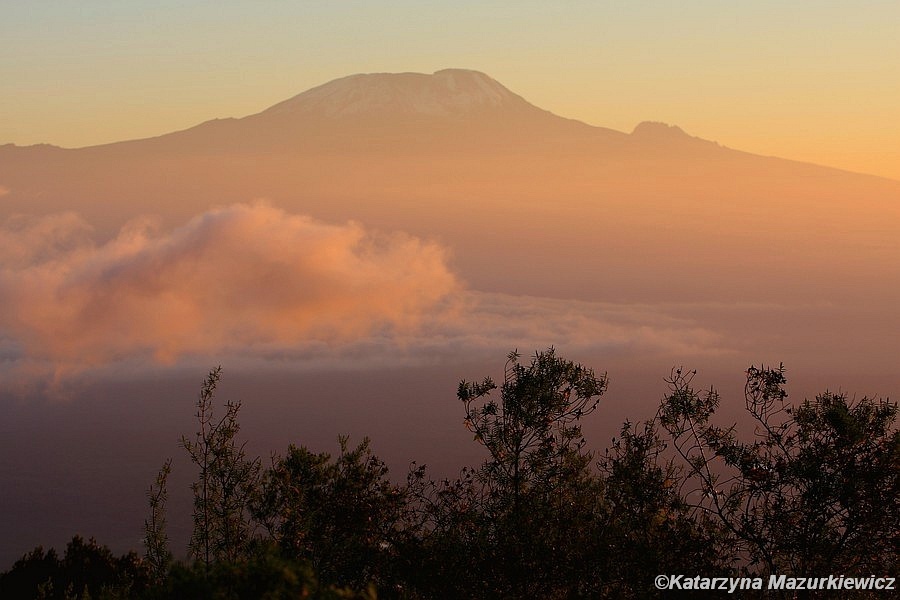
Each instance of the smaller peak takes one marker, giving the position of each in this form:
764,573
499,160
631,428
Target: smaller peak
658,130
29,147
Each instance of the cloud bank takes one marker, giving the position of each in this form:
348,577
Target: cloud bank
239,277
254,285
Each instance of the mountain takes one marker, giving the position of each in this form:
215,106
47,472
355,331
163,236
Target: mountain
453,108
527,201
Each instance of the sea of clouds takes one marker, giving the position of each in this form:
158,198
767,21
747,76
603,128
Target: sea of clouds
255,285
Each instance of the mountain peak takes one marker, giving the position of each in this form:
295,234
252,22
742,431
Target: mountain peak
445,93
659,131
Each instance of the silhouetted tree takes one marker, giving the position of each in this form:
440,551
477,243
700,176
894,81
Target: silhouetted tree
226,482
521,522
86,570
156,542
342,515
648,527
816,492
263,573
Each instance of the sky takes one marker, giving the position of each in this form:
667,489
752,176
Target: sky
811,81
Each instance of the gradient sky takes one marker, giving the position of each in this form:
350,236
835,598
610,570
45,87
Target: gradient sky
812,81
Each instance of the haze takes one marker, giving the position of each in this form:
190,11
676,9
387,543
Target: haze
352,251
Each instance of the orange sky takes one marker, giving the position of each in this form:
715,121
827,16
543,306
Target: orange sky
811,81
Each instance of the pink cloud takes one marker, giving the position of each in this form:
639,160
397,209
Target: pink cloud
27,241
231,280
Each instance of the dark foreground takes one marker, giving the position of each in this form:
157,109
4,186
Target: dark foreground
808,491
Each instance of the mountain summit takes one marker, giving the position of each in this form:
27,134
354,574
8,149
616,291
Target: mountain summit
412,112
446,93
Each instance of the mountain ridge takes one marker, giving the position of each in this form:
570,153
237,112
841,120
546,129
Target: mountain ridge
447,98
465,108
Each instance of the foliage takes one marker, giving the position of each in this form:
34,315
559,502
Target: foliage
816,490
86,570
341,515
533,434
649,529
157,554
226,482
452,554
520,523
264,573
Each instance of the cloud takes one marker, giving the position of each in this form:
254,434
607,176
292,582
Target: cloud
256,287
28,241
534,322
239,278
